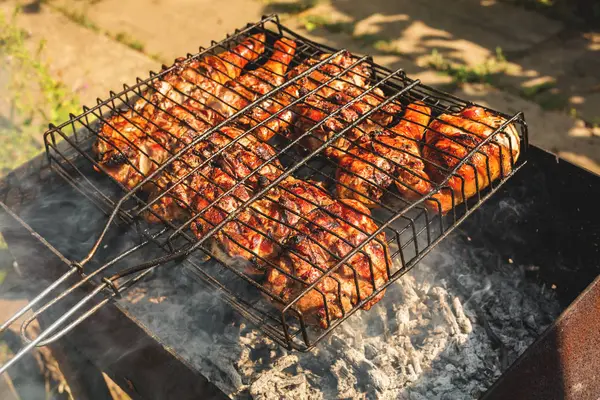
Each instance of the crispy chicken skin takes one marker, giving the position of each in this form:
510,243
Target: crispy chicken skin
180,125
450,138
259,231
385,157
197,79
346,86
315,110
316,246
357,75
238,93
225,168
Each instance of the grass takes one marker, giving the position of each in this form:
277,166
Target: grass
481,73
367,39
125,38
33,96
312,22
530,92
286,7
76,16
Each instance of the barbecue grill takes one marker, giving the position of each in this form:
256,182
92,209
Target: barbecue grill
411,228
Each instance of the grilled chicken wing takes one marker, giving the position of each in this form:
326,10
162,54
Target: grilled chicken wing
317,246
196,78
451,137
385,157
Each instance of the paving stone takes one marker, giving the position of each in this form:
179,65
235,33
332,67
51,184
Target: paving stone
568,67
551,130
466,31
88,62
169,28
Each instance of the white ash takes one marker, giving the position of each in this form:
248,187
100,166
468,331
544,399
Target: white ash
445,330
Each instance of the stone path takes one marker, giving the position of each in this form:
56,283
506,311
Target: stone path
88,62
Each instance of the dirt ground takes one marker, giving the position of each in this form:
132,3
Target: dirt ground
489,51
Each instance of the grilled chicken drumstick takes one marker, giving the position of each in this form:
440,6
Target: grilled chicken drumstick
197,79
180,125
381,158
345,88
451,137
328,235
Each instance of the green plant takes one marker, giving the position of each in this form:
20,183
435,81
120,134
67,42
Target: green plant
81,18
530,92
78,17
312,22
127,40
480,73
285,7
387,47
34,97
368,39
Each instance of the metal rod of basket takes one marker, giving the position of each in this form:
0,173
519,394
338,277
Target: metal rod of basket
396,87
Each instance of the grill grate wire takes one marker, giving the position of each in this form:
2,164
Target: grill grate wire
411,228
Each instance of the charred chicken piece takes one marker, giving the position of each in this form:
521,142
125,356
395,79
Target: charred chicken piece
176,128
284,118
451,137
238,93
316,109
259,231
356,75
148,152
195,78
299,198
318,106
316,247
385,157
226,167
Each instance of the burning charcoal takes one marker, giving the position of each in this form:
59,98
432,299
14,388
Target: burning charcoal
346,381
380,380
461,318
371,351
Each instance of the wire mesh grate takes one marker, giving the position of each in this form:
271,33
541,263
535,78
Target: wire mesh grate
311,177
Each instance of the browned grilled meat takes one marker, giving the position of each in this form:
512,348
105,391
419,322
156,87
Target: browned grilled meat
119,135
385,157
451,137
315,110
318,106
259,231
238,93
235,162
179,125
273,106
317,246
